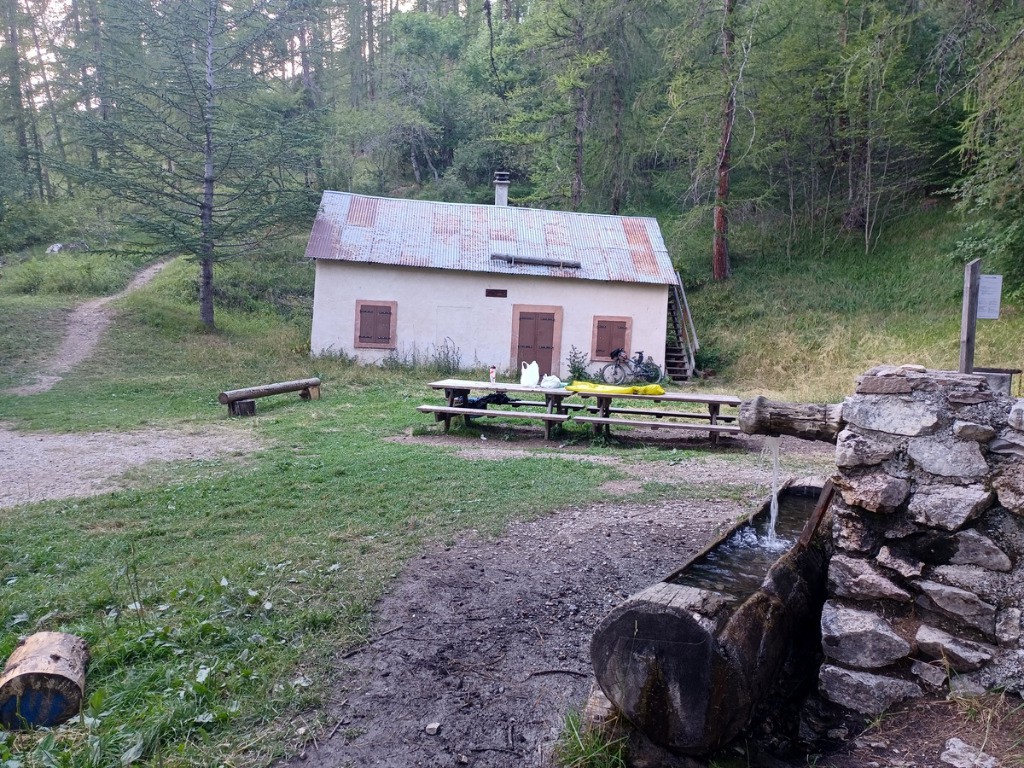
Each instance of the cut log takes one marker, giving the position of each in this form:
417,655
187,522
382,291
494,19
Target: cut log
809,421
688,674
43,683
308,389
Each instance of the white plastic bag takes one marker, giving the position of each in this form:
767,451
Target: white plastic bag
550,382
530,375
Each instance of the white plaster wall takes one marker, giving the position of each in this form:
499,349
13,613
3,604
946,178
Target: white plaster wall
434,304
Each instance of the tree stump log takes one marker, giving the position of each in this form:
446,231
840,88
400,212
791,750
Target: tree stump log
43,683
808,421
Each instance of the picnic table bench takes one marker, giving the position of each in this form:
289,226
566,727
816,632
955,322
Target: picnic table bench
601,414
242,402
608,414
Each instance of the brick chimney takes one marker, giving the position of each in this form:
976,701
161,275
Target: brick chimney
501,187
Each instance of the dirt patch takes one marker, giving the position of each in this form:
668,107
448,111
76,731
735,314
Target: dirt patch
915,735
37,466
85,327
488,639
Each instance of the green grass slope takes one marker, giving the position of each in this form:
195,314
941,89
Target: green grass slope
802,326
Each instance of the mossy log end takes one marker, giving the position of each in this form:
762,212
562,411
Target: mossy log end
808,421
43,682
690,674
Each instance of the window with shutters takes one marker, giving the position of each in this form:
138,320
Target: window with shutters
376,322
610,333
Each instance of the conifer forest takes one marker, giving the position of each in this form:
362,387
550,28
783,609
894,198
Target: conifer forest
205,127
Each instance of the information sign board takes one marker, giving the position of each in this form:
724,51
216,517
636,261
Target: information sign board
990,288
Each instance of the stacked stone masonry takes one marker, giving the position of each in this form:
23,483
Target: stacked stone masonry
926,583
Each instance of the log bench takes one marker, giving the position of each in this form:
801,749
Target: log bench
242,402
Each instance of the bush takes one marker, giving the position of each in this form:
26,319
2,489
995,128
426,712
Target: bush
578,365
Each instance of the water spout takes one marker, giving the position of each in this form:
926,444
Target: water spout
772,443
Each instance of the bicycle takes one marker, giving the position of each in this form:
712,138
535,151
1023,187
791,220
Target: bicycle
622,368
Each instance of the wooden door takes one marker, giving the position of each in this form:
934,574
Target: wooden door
536,340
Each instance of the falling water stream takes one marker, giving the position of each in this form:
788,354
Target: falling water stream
772,444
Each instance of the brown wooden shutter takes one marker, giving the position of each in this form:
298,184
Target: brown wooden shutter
382,331
611,334
375,325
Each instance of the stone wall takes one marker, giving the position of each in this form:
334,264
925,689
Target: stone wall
926,583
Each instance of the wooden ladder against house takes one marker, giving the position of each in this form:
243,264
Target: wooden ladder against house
681,340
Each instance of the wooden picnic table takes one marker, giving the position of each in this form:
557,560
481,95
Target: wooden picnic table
457,397
553,409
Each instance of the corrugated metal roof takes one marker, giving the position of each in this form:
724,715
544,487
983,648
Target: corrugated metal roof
418,233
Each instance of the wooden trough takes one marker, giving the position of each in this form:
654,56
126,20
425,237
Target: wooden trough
689,668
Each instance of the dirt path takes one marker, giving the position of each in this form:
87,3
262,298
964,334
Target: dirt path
482,647
85,328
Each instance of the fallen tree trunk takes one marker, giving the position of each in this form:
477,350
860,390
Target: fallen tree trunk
809,421
43,682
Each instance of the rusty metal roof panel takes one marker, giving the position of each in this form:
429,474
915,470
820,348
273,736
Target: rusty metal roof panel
417,233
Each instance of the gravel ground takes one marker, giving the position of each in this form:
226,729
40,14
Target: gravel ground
37,466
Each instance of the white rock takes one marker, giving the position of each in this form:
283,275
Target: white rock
948,506
859,638
948,458
962,655
975,549
960,605
892,415
960,754
900,562
1016,417
864,692
1008,629
432,729
969,430
857,579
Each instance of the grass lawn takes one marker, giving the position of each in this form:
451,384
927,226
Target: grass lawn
213,594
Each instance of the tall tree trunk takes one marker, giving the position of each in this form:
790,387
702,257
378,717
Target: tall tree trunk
369,46
95,36
618,150
51,105
88,92
720,266
579,128
12,67
206,243
36,158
